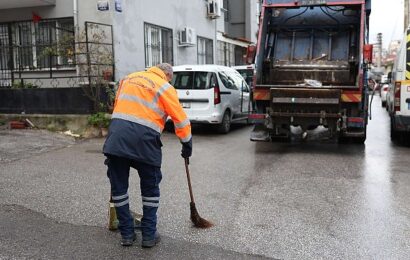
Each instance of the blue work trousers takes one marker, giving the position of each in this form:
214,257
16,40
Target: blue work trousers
150,177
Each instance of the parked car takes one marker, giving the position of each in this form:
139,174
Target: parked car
212,94
383,94
384,79
247,72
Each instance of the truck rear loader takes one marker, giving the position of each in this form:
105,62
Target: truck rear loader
311,63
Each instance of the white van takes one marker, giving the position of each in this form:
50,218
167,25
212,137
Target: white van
212,94
399,95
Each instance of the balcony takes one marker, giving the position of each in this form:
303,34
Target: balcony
7,4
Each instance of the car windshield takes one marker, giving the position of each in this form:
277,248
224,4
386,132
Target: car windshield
191,80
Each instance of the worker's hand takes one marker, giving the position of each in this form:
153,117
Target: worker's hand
186,151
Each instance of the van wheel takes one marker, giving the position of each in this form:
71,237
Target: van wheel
393,132
225,126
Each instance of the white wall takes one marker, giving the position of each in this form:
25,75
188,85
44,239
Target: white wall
175,15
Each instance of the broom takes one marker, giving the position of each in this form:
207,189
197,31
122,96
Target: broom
195,218
112,217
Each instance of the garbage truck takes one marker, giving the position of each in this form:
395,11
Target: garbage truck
311,63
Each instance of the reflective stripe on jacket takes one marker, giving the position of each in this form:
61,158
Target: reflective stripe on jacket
143,102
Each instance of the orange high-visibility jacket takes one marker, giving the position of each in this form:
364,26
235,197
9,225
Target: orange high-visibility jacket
146,98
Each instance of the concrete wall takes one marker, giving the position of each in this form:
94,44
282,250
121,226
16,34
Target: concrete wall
63,8
174,15
252,18
243,19
88,12
235,26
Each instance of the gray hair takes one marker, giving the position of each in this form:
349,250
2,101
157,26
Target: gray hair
167,69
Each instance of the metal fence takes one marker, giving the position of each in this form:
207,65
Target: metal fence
49,53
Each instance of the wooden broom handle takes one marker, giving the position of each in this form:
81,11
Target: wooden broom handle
189,180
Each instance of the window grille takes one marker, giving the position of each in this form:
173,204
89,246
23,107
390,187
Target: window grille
205,51
158,45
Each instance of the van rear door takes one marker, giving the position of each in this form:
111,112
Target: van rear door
194,90
405,99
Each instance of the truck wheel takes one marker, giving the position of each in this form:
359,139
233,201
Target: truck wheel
359,140
225,126
342,140
393,133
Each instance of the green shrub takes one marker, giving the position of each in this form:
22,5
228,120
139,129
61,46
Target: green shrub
19,84
99,120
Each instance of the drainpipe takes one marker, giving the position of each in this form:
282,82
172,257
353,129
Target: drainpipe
216,41
76,33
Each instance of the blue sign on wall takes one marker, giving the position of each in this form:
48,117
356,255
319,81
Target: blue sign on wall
103,5
118,6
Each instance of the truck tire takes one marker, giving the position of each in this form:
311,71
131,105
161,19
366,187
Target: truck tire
225,126
394,135
359,140
342,139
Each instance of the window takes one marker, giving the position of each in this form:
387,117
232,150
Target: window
230,54
226,54
193,80
233,80
4,47
228,80
36,45
158,45
227,12
205,51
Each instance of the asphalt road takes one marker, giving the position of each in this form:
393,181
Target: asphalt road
273,200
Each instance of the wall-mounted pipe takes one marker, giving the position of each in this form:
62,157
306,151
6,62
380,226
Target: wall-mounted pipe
76,32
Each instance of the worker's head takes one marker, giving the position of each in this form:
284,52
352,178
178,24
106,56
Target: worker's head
167,69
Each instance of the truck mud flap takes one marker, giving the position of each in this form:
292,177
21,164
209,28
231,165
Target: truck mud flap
260,134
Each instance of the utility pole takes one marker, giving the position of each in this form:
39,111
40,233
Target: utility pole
380,48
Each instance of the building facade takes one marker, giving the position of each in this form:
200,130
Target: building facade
52,38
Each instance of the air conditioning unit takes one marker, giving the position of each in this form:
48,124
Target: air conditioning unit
214,8
187,37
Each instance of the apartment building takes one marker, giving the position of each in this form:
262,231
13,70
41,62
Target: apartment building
39,39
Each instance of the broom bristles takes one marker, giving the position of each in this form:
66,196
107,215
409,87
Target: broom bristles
197,220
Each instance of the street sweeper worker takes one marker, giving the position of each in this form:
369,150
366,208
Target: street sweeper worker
143,102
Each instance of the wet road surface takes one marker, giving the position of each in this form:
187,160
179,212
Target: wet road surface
274,200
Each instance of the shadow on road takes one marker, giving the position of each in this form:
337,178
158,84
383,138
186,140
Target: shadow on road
309,147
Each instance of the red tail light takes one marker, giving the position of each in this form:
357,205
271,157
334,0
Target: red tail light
368,53
217,95
385,88
397,88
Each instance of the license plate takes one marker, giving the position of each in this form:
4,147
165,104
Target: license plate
312,2
186,105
